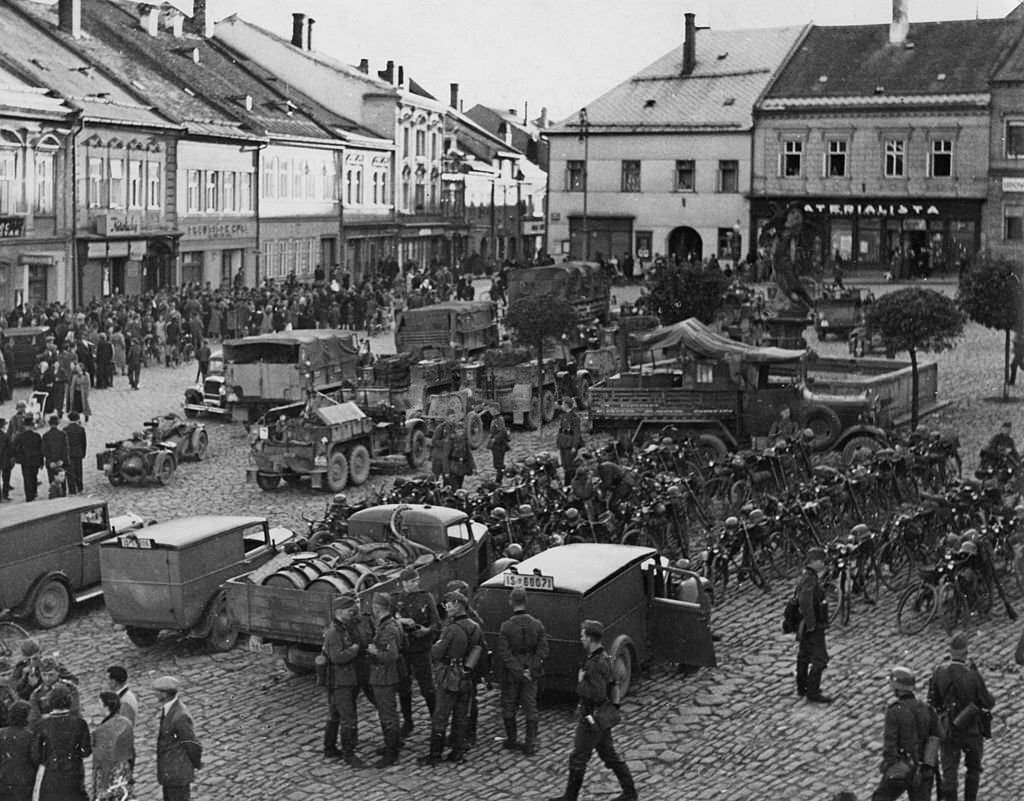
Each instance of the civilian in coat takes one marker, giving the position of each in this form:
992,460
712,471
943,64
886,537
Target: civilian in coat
55,449
17,769
60,745
178,753
6,461
76,437
77,399
113,750
104,363
28,452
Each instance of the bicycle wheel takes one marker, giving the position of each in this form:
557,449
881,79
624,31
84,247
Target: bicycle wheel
845,600
869,581
783,555
754,571
951,607
916,608
718,576
895,565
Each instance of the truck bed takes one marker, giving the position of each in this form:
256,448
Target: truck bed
617,405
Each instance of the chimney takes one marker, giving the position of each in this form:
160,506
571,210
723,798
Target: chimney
401,76
453,95
175,22
69,17
309,33
298,23
900,25
526,113
689,42
149,18
542,123
506,132
202,23
388,73
364,66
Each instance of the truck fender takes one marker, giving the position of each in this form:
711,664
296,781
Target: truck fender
414,423
624,665
29,601
862,430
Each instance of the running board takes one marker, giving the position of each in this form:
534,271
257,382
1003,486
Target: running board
92,592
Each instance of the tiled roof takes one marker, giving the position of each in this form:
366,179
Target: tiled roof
942,58
732,69
20,99
980,99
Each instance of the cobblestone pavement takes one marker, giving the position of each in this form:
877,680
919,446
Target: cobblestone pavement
735,732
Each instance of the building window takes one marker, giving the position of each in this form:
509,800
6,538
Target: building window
96,180
792,158
421,194
685,173
9,181
154,184
705,373
298,180
269,188
433,146
631,176
1015,140
1013,223
310,178
729,244
895,158
406,189
116,167
229,192
246,191
284,179
421,143
835,159
405,143
729,176
136,188
212,190
348,187
575,176
359,187
942,158
192,191
44,182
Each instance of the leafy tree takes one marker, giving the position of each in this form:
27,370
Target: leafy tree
687,291
991,294
913,320
536,318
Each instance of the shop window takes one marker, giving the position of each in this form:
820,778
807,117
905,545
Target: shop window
941,158
729,177
575,176
154,184
895,158
792,158
1013,223
1015,140
835,159
97,182
37,286
685,175
630,176
869,241
192,267
44,182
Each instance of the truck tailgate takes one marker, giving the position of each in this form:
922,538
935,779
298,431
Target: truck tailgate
278,613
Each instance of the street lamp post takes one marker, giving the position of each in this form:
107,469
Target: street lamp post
585,136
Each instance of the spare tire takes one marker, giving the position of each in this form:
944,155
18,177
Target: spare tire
711,447
825,424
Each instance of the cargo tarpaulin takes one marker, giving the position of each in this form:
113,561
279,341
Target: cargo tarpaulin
694,336
319,347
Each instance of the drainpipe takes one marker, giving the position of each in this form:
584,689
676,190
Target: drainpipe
77,128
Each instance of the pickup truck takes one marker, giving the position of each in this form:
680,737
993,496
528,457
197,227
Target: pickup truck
287,603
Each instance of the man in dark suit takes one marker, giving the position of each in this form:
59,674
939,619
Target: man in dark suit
6,461
28,452
134,362
178,753
75,434
55,448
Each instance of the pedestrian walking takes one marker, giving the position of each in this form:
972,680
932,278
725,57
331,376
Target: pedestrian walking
55,448
179,755
385,654
17,768
596,715
522,649
60,744
343,643
79,384
455,656
569,438
498,444
77,445
958,692
134,362
812,655
460,458
910,743
113,751
439,449
203,361
416,610
28,452
104,362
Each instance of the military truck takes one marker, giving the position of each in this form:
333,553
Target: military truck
269,370
454,329
508,380
330,443
582,283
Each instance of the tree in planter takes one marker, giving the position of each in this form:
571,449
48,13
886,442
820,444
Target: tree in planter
991,294
679,293
534,319
914,320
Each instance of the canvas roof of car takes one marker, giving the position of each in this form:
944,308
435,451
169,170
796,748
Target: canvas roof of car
184,531
19,513
579,567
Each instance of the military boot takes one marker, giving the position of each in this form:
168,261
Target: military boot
405,701
436,749
814,694
572,787
349,738
625,778
801,678
530,746
510,743
392,743
331,739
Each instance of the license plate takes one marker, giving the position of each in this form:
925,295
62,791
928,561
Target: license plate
530,581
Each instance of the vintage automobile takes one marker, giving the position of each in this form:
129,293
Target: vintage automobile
169,576
49,555
25,344
630,589
209,396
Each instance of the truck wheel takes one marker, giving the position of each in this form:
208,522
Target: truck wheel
143,638
711,448
222,635
854,444
621,654
51,605
824,422
267,481
417,455
115,478
163,468
547,405
337,472
475,430
200,443
532,418
358,465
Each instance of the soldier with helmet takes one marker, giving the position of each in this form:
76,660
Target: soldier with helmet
906,768
416,610
344,643
812,656
569,438
513,555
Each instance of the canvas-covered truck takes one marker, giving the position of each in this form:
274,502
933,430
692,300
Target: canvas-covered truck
287,603
508,380
269,370
582,283
455,328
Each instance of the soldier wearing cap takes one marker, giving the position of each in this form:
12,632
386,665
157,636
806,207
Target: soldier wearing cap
522,648
569,438
416,610
343,644
908,725
596,683
179,755
954,686
453,656
385,666
53,677
812,656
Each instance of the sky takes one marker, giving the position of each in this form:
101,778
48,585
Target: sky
555,53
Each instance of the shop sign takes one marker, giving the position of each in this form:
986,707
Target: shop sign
11,227
885,209
424,232
109,224
1013,184
533,228
222,230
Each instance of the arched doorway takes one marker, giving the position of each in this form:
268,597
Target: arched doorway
686,244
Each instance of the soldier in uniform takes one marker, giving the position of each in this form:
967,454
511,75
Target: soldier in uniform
440,445
522,647
482,668
454,661
416,610
460,458
343,643
954,686
53,676
569,439
595,682
385,654
812,656
908,725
